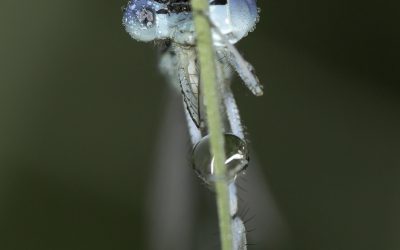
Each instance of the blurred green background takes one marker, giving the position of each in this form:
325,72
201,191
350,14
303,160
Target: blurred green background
81,105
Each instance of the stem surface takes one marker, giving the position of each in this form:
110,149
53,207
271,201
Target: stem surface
208,76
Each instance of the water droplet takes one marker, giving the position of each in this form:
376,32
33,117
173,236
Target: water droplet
237,158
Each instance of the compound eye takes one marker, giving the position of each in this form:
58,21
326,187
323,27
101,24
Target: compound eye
140,19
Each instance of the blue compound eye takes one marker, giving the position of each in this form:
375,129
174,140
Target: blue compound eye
234,18
244,14
140,19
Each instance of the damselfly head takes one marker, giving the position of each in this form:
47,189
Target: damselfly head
149,20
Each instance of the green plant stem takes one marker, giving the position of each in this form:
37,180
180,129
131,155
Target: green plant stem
208,78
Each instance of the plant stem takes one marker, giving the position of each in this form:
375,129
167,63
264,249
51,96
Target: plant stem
208,78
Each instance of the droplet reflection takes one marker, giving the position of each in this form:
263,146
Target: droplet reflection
237,158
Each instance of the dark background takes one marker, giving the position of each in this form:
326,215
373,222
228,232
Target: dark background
81,106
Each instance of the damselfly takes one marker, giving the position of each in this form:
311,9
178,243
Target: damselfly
170,24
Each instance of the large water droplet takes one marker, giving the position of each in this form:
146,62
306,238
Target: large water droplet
237,158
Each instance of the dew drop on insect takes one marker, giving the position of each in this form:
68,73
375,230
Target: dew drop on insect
237,158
